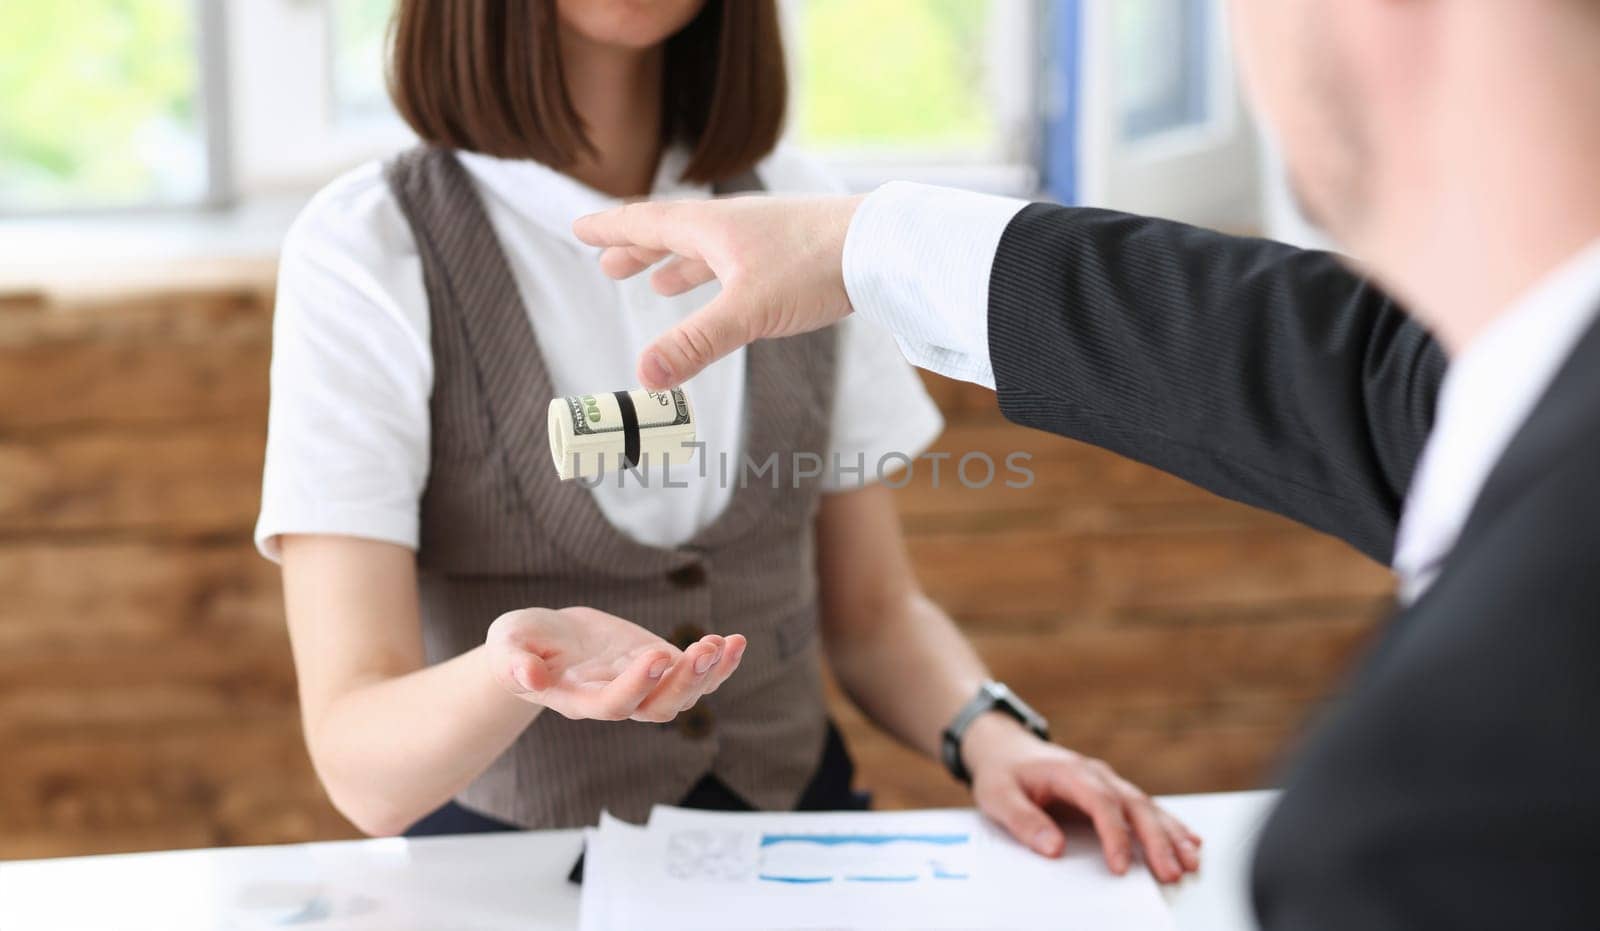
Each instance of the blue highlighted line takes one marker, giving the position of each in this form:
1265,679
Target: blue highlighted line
796,880
834,840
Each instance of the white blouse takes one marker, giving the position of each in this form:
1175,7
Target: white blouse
352,365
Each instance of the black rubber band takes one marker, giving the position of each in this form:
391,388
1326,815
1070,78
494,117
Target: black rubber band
630,429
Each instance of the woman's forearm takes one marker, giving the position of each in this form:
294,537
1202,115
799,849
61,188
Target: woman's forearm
393,738
909,669
391,750
897,655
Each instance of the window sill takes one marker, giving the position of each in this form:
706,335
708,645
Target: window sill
143,251
865,173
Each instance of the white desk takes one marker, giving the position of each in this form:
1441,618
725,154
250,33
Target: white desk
487,882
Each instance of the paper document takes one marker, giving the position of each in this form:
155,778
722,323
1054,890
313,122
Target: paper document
925,870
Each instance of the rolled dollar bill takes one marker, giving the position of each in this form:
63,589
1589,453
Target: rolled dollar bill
592,434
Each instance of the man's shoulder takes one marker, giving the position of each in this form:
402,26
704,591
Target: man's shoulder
1463,742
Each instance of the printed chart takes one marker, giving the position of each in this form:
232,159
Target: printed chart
927,870
806,859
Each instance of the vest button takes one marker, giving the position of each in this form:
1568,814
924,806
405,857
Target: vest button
685,634
697,723
690,576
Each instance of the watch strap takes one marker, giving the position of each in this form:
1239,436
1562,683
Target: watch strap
991,696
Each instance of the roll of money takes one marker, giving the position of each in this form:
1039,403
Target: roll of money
592,434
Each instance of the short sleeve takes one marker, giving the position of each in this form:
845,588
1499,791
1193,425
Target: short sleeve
352,371
883,418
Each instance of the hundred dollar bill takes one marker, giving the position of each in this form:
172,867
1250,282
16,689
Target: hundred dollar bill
592,434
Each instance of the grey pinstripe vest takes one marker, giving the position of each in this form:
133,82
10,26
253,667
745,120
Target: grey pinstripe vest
500,532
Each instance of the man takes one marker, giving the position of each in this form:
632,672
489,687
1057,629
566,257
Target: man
1454,145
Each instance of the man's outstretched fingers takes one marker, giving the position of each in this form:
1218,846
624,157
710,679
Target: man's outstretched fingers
661,225
627,261
680,275
683,352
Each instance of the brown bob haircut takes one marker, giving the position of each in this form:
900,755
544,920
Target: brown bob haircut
485,76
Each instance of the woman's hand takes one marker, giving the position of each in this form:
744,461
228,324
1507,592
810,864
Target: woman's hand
780,261
586,664
1017,778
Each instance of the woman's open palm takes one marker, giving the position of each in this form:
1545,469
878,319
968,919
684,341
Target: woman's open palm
587,664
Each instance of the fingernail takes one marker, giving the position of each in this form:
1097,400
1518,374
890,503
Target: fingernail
704,663
1044,841
656,369
659,668
1120,864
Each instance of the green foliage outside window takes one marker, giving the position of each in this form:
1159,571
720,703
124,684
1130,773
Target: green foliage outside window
98,103
359,30
894,73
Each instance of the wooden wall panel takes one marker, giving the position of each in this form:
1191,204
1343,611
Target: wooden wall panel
146,694
70,597
150,356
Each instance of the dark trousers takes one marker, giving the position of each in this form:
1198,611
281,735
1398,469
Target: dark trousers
829,790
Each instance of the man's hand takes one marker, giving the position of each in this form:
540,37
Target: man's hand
780,261
586,664
1017,778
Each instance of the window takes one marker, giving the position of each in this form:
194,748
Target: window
103,105
359,31
1164,50
1142,112
922,92
951,94
124,103
897,87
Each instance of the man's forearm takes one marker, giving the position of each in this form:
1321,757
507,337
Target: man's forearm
392,750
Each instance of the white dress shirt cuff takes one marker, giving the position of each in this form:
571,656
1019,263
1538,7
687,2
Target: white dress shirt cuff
917,260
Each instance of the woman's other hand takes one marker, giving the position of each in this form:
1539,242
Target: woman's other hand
1017,778
586,664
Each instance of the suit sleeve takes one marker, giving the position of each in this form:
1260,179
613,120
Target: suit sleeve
1266,374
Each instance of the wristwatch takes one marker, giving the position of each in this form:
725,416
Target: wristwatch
992,696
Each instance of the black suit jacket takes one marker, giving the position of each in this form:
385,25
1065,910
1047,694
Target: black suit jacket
1456,782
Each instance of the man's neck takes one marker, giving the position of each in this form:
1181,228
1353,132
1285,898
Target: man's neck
617,93
1513,192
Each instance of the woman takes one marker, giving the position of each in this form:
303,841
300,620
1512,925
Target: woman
428,310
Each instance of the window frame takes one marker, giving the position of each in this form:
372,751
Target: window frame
1205,173
211,33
